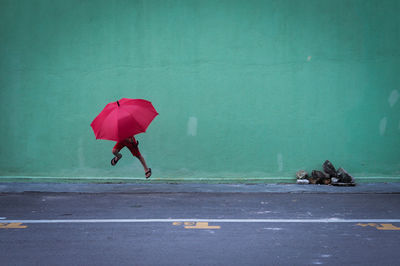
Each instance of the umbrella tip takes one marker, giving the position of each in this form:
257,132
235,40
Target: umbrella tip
118,103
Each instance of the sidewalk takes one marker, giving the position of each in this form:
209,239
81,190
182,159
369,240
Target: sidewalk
385,188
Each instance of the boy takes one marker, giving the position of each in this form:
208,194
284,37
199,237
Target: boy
132,145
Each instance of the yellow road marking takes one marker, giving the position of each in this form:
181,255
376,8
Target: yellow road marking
197,225
388,227
368,224
12,225
202,225
381,226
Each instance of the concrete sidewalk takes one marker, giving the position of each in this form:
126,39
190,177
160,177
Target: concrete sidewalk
382,188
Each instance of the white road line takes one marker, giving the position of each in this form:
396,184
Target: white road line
327,220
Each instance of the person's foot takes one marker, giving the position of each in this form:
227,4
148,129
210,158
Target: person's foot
148,173
114,160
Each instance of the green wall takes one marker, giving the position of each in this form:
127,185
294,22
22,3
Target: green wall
245,89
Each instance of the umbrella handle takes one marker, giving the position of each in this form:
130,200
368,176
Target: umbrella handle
118,103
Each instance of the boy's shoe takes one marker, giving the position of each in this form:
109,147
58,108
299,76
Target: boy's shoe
114,161
148,173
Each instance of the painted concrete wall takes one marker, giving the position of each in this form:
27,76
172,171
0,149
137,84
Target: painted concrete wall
245,89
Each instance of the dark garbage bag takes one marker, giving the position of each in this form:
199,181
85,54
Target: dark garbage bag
319,177
329,168
344,177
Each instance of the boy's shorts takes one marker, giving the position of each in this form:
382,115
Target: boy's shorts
133,148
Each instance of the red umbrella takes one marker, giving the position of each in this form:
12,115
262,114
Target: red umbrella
123,119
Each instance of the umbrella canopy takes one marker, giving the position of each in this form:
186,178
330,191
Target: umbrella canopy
123,119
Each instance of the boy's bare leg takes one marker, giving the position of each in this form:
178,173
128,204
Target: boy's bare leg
146,169
116,153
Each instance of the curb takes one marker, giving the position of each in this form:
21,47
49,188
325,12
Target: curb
370,188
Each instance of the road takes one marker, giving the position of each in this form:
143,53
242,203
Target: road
196,228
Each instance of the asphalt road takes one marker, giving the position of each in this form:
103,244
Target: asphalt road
199,229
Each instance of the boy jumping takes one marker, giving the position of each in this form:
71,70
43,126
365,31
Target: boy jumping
132,145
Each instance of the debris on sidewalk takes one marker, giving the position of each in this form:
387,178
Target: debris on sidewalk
302,177
328,176
302,174
303,181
